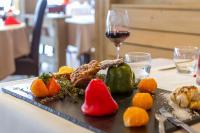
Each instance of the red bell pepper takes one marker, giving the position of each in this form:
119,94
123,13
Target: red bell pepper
98,100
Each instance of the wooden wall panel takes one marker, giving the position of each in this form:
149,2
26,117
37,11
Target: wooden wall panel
180,19
159,39
156,28
159,44
168,2
125,48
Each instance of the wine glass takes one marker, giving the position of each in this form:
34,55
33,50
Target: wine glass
117,27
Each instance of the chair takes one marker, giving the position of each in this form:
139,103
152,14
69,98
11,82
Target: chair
85,58
29,65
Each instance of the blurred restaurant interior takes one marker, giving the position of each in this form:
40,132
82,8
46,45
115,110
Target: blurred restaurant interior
73,31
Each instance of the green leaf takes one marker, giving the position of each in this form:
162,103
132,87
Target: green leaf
45,77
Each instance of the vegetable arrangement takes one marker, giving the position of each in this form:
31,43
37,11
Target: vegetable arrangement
98,100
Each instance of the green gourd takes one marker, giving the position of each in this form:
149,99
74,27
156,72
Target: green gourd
120,79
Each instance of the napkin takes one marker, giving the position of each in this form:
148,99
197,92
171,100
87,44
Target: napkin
10,20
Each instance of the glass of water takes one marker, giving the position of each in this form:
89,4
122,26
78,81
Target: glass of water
185,59
140,63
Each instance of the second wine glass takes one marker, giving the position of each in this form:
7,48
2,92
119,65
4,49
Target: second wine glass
117,27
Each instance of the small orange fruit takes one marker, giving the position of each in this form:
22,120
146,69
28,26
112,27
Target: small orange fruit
147,85
39,89
143,100
135,117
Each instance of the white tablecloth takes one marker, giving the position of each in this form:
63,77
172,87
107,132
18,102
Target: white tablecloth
81,32
13,44
26,118
18,116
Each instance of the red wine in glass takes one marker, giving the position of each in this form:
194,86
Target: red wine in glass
117,36
117,24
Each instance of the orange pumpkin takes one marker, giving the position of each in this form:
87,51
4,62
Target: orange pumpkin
54,87
143,100
147,85
39,89
135,117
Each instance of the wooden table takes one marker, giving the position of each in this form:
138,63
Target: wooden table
80,31
22,116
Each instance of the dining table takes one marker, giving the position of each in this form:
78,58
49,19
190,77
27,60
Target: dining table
13,44
22,117
80,32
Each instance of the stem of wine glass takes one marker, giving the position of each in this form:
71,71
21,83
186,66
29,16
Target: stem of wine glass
118,51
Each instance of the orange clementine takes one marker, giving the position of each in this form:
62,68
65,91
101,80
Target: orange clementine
135,117
39,89
143,100
147,85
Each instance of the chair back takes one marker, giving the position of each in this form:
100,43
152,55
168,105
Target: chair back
38,20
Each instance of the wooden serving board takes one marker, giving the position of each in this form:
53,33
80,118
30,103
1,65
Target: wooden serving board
71,111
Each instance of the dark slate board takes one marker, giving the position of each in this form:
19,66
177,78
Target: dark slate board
112,124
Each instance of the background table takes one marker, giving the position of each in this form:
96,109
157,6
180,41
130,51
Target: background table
22,116
80,32
13,44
